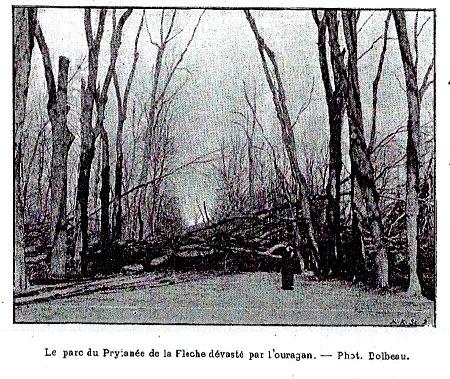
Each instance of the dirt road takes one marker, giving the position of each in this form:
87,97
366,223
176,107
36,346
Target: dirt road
247,298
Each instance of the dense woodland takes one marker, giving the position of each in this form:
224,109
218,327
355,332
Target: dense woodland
95,152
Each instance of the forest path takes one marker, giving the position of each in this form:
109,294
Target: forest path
246,298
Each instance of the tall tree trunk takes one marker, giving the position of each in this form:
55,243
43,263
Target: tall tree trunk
88,137
117,205
151,118
87,153
251,170
366,196
24,24
356,259
412,151
335,99
116,40
122,108
148,136
62,139
104,190
20,277
94,226
279,100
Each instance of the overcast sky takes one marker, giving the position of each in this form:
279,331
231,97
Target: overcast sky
222,56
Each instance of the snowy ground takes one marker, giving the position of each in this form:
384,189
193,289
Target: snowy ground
248,298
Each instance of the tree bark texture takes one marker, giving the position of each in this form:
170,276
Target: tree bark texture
412,151
366,197
116,40
88,137
24,24
104,190
117,205
335,98
62,139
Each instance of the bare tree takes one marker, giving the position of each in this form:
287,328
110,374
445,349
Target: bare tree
116,40
287,127
88,137
376,83
34,169
122,108
156,112
247,123
366,196
24,25
335,94
62,139
156,97
231,177
413,145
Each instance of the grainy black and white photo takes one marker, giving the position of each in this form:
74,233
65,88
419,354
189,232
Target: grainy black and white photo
224,166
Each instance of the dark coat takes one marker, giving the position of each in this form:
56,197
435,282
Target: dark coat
287,269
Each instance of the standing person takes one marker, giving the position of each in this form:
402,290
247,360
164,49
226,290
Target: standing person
287,269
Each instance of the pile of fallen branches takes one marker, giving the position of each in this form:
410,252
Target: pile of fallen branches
246,242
